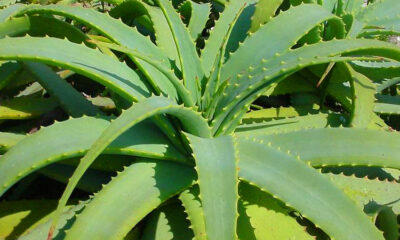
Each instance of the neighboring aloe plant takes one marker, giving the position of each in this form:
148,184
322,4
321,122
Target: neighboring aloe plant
194,157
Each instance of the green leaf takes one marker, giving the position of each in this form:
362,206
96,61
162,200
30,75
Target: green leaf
257,80
340,146
269,217
330,5
167,222
118,32
162,32
40,26
388,83
95,65
8,140
303,189
66,220
73,138
191,121
105,163
320,120
26,107
241,29
8,12
363,101
18,217
282,112
8,71
157,227
381,14
292,84
183,93
193,207
72,101
192,72
377,71
265,38
197,13
265,10
210,96
128,198
387,104
353,6
365,191
216,167
7,2
218,34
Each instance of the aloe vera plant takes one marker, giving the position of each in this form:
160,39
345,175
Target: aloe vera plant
200,148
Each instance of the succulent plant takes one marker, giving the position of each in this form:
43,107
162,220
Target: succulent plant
197,156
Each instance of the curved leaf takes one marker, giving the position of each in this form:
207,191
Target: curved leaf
95,65
218,34
41,26
198,16
183,93
363,96
167,222
239,95
265,38
118,32
304,189
118,207
73,138
192,72
8,12
66,220
73,102
191,121
193,207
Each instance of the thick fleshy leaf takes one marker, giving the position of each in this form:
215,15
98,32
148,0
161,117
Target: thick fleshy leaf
73,102
73,138
216,166
118,32
26,107
198,15
191,121
62,53
304,189
341,146
265,10
192,71
249,53
193,207
128,198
